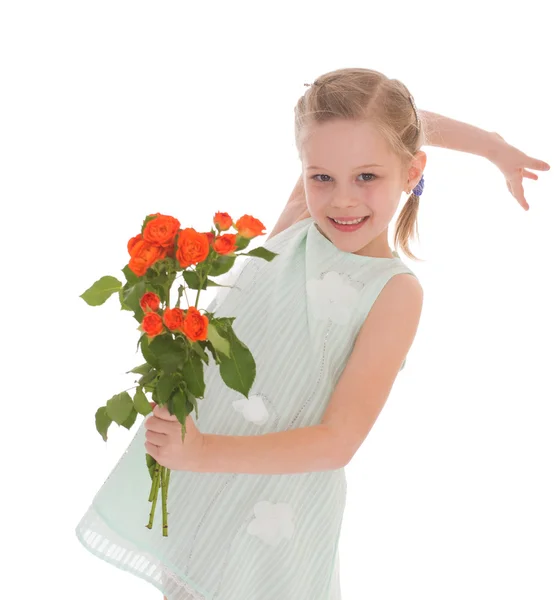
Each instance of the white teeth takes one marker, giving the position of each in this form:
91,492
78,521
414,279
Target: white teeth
349,222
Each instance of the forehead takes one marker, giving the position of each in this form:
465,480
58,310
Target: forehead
345,142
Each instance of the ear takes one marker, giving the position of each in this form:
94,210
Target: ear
415,171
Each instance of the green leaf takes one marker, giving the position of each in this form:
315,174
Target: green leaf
169,354
149,377
261,252
193,280
177,405
122,299
150,387
242,242
213,352
119,407
147,353
140,402
223,263
193,374
218,342
223,323
130,277
162,282
151,464
103,421
238,371
141,369
166,384
101,290
198,348
132,297
160,290
130,421
191,404
211,283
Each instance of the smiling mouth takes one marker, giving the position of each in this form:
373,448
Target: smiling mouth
348,220
348,227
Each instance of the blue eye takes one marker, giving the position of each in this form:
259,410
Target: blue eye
323,175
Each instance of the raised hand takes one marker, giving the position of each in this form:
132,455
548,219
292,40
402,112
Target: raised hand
514,165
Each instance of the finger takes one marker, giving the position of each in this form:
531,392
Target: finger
538,165
152,450
163,413
517,191
157,439
530,175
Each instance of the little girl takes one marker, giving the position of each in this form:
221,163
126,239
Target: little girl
329,322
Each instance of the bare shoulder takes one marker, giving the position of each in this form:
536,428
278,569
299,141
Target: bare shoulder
402,296
391,324
381,346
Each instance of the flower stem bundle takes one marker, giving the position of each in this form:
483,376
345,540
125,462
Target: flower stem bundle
175,341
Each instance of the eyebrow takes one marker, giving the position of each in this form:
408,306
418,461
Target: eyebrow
360,167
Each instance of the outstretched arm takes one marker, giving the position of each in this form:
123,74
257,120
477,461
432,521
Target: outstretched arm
456,135
445,132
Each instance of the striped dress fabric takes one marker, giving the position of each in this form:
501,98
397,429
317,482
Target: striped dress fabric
237,536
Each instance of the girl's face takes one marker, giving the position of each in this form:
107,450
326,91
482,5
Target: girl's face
349,172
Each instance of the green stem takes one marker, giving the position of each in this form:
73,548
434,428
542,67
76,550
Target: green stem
185,289
155,500
202,279
201,283
165,478
154,488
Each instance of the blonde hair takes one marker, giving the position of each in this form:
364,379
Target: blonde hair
367,95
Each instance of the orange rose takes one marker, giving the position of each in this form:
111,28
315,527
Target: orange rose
195,326
150,301
192,247
152,324
249,227
144,255
174,318
226,243
210,236
223,221
132,242
161,231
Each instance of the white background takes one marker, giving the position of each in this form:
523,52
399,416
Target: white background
113,110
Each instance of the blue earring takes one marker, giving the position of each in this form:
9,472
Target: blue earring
418,190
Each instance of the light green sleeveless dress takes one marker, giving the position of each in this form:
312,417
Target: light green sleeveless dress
236,536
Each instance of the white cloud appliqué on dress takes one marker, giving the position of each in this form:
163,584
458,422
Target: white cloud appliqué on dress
332,297
273,522
253,409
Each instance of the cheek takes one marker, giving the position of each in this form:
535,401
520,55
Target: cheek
317,198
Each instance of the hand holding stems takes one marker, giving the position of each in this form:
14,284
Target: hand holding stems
165,443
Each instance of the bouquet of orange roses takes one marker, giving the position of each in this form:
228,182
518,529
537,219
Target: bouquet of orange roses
175,341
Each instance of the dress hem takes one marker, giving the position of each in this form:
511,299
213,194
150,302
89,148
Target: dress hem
101,540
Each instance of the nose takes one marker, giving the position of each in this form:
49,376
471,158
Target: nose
345,201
